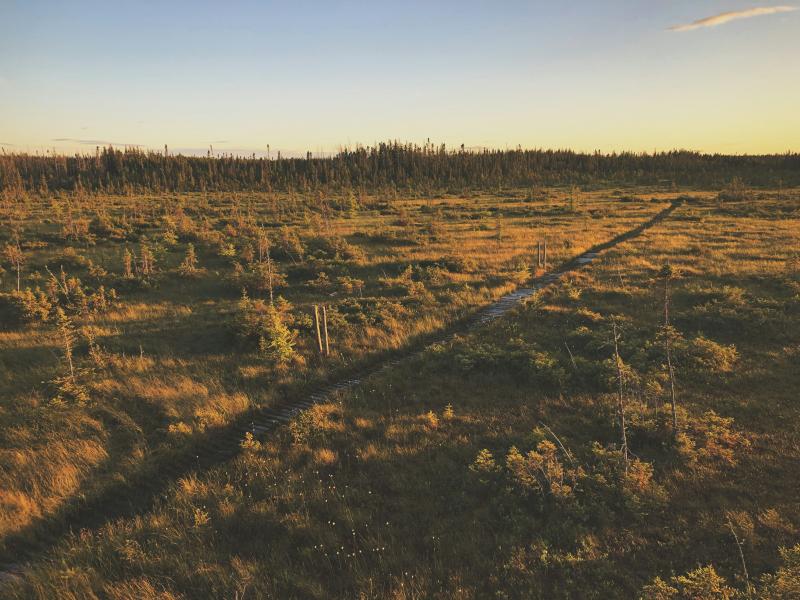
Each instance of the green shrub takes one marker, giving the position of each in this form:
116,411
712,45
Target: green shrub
705,357
612,485
460,264
28,305
784,584
371,311
336,248
701,584
104,226
288,245
712,441
541,471
305,429
264,323
516,359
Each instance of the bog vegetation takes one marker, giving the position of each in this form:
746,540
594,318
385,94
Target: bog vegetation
631,431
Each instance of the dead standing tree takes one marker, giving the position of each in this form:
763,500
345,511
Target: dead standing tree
544,255
67,333
668,334
127,264
541,255
620,397
14,255
147,260
263,244
269,278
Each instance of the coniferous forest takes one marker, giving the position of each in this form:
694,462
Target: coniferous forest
390,165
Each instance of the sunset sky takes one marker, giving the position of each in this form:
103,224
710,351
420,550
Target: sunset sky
715,76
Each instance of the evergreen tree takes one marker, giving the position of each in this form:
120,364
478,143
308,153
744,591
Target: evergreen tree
276,341
147,261
14,255
189,264
127,264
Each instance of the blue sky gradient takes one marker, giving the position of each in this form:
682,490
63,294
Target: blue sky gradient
607,75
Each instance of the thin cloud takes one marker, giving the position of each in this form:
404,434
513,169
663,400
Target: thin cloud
93,142
726,17
246,152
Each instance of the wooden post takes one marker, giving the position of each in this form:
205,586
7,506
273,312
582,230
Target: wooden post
316,323
325,327
544,252
538,254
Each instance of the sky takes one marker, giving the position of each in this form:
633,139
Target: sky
608,75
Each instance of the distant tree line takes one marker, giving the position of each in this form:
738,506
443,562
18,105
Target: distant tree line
387,165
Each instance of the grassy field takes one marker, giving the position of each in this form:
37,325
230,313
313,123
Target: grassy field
175,352
490,466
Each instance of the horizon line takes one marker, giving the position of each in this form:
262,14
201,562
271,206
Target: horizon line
284,154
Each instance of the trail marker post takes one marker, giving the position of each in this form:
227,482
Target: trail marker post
316,324
325,327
